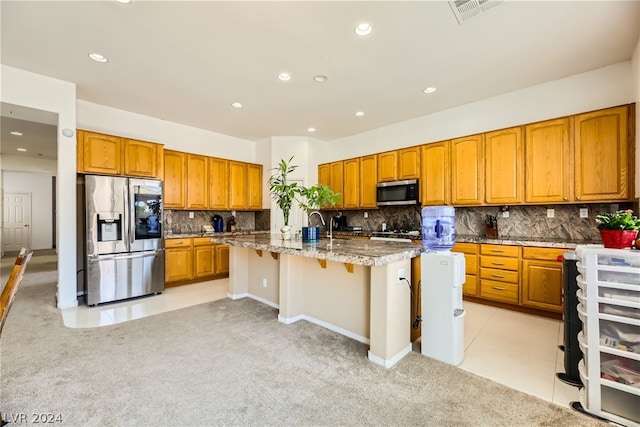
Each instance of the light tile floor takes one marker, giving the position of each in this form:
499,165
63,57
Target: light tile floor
515,349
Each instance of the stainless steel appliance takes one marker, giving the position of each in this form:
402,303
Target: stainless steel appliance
397,193
124,256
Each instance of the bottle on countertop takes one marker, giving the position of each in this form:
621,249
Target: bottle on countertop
232,224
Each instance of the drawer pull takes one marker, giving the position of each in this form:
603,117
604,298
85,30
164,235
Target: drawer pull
497,250
178,243
498,288
498,275
497,263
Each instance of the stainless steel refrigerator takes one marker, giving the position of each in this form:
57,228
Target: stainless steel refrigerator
123,243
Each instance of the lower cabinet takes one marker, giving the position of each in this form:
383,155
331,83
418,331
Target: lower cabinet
191,260
470,251
542,278
222,259
499,272
178,260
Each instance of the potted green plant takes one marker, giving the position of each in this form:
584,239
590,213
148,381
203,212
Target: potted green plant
618,229
283,192
311,199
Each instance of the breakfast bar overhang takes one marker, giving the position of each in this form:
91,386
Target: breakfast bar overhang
350,286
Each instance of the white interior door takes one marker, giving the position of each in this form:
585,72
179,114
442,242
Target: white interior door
16,230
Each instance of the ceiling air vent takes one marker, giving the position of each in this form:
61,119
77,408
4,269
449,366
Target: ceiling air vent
467,9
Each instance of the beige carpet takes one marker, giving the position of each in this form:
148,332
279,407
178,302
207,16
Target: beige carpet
231,363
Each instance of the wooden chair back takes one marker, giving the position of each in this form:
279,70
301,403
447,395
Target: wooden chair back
10,289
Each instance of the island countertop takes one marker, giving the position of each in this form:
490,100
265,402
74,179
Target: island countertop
370,253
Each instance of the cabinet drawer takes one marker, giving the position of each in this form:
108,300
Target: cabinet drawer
500,250
547,254
465,248
499,291
499,275
177,243
499,262
202,241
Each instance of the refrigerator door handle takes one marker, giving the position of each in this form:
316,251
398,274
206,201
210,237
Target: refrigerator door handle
154,253
130,211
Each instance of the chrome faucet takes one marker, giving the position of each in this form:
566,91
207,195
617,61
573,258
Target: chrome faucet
330,235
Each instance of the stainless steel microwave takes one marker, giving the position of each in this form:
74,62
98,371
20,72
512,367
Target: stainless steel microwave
397,193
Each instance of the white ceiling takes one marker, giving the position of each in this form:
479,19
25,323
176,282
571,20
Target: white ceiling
186,62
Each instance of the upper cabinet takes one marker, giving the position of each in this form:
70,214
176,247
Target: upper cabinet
388,166
409,163
467,170
113,155
435,173
368,181
197,181
218,183
504,171
351,184
237,185
337,181
175,179
602,170
254,186
548,162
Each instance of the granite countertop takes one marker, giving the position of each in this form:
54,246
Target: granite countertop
369,253
212,234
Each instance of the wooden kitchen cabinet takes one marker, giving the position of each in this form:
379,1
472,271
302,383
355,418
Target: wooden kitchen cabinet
254,186
435,172
467,170
504,167
337,181
237,185
142,158
175,179
499,273
203,257
218,183
548,162
178,260
409,163
351,184
387,166
542,278
197,181
324,174
602,168
368,181
470,251
221,264
99,154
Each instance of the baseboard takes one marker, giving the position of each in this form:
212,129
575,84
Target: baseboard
388,363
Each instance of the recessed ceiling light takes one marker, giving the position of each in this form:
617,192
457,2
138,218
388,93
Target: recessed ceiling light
363,29
284,76
22,149
16,133
359,113
236,105
320,78
430,89
97,57
123,1
311,129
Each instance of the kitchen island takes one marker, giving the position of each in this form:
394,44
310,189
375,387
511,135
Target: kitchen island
349,286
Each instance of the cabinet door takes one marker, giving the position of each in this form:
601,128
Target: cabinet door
175,179
434,184
218,183
237,185
101,154
254,186
467,170
602,155
197,181
337,184
504,174
388,166
141,158
222,259
368,181
409,163
203,257
178,264
324,174
351,197
548,160
542,284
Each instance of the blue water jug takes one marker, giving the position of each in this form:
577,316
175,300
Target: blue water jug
438,228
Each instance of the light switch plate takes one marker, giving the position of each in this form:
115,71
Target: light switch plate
584,212
551,213
191,215
505,214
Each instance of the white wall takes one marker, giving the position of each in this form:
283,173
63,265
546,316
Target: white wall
600,88
45,93
174,136
635,78
31,164
40,187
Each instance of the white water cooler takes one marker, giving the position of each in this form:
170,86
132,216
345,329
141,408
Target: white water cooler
443,274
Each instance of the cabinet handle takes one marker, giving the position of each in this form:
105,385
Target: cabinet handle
498,251
565,198
498,275
178,243
578,198
498,288
497,263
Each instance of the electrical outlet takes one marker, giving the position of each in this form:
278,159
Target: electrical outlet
191,216
401,274
264,282
505,214
551,213
584,212
366,214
